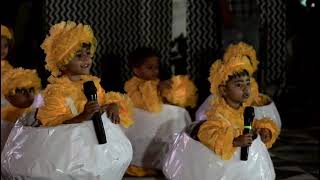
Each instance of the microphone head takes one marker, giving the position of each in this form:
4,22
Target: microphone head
89,88
248,115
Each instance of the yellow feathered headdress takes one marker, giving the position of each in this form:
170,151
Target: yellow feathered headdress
20,78
63,41
220,71
5,32
242,49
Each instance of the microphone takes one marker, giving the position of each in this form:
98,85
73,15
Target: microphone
248,117
90,92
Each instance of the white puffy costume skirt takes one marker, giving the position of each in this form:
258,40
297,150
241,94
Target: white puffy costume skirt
66,152
152,133
189,159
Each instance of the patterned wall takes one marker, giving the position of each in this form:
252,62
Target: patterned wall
202,40
79,11
122,25
273,25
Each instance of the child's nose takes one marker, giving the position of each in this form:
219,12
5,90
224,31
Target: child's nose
85,57
246,90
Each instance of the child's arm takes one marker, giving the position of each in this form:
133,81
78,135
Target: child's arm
89,110
116,105
58,109
123,105
267,129
218,136
55,110
112,111
265,134
110,107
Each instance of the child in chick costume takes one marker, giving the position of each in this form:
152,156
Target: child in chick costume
66,145
264,106
214,152
20,88
222,132
156,121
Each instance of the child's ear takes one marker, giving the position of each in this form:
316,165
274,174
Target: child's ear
222,90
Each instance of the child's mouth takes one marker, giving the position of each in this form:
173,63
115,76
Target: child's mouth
85,66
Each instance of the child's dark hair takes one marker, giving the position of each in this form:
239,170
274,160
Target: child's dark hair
139,55
238,74
86,45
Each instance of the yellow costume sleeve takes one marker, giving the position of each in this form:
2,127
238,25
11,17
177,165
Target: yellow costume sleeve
144,94
182,93
218,136
123,101
125,105
11,113
270,125
55,110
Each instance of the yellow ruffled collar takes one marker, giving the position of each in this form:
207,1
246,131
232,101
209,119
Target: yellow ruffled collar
140,81
221,110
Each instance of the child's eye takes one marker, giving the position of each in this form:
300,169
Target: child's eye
31,90
21,91
18,91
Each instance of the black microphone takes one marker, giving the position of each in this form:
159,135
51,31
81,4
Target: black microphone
90,91
248,117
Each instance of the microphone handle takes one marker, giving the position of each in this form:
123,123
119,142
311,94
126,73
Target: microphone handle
99,129
244,153
245,150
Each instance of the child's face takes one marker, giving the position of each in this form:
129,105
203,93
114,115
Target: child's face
22,98
4,47
80,64
149,70
237,90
